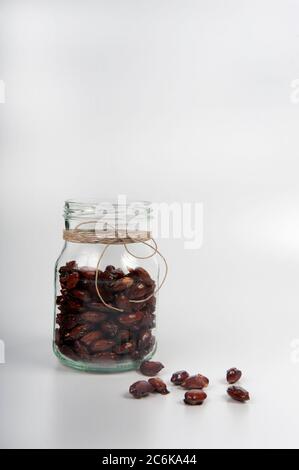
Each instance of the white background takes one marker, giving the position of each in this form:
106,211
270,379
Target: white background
163,100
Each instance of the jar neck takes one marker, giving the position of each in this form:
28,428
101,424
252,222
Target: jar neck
108,219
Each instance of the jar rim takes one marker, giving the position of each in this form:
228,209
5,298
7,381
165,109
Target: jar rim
83,208
113,202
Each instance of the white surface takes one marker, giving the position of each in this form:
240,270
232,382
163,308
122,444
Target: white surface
161,100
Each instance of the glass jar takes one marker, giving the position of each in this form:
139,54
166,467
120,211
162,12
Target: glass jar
106,282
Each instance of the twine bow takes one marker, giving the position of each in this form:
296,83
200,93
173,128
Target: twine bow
115,237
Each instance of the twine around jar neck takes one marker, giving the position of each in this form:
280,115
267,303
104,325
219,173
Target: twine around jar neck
106,237
112,236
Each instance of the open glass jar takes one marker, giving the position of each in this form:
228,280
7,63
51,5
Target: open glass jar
106,282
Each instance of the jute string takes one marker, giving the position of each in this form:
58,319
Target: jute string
115,237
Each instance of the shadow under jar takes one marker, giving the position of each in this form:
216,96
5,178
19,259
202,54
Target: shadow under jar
105,287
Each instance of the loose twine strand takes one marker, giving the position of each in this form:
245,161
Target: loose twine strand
90,236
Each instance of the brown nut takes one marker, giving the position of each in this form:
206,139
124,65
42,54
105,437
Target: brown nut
196,381
148,320
68,352
80,294
141,275
76,332
98,306
69,267
109,328
124,336
122,284
116,273
128,319
70,306
144,339
140,389
58,338
67,322
69,281
92,317
238,393
122,302
233,375
139,290
87,273
102,345
195,397
125,348
138,355
150,368
158,385
110,274
179,377
88,339
81,350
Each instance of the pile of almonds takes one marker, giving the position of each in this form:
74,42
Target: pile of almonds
89,331
194,384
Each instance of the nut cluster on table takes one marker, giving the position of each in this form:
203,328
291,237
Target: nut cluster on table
194,384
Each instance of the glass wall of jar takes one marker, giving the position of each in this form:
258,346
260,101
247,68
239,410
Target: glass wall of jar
105,287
